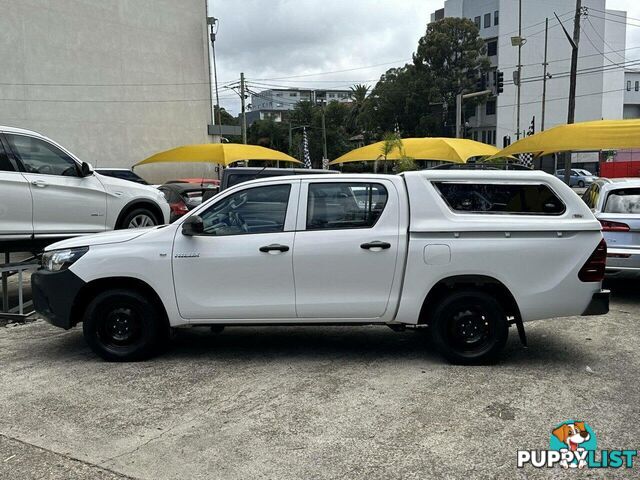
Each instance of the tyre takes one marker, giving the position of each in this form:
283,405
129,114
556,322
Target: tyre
580,184
123,326
469,327
139,217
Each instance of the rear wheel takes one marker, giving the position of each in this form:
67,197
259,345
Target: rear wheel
469,327
122,325
138,218
580,184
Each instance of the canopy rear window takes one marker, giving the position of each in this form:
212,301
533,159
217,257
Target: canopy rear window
506,199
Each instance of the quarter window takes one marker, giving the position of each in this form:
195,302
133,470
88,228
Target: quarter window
253,210
344,205
41,157
493,198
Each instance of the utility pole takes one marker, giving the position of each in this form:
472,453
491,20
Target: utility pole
571,114
544,74
324,138
459,115
519,66
243,110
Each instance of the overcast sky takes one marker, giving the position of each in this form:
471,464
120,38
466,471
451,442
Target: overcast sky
297,42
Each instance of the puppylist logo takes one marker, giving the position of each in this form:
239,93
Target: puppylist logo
573,445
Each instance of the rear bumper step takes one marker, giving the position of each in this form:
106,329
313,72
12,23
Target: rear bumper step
599,304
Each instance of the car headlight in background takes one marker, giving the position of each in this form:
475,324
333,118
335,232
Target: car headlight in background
57,260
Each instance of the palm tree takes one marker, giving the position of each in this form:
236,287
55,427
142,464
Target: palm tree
390,142
359,94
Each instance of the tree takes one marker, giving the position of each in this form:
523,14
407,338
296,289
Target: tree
225,117
450,54
419,98
268,133
359,94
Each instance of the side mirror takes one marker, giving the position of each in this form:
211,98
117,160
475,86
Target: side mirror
193,226
85,169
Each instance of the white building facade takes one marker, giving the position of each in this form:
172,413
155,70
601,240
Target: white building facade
601,78
113,81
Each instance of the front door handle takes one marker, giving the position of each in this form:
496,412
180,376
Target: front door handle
274,247
39,183
376,244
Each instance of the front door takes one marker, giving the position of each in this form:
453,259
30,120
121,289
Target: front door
346,249
241,267
64,202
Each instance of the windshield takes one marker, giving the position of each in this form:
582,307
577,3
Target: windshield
625,200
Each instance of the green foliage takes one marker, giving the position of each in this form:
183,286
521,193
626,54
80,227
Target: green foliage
225,117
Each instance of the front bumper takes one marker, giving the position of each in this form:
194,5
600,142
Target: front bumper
599,304
54,294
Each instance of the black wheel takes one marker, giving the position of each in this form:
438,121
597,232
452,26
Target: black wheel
469,327
217,329
122,326
138,218
580,184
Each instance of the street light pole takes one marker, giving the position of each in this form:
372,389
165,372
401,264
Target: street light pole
519,66
544,74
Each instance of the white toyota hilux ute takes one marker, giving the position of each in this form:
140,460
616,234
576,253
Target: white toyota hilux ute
47,194
461,254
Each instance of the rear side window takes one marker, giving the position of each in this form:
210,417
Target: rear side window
5,164
625,200
510,199
333,206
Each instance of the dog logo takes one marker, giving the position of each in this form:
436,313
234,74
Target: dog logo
574,437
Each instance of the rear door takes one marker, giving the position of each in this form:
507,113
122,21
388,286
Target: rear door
16,209
346,248
64,202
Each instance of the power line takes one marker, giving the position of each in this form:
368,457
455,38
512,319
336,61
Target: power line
603,40
51,100
564,98
335,71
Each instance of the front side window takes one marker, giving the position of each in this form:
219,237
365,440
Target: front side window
254,210
519,199
39,156
344,205
624,200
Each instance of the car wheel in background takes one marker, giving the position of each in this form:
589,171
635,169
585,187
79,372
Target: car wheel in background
138,218
469,327
580,184
122,325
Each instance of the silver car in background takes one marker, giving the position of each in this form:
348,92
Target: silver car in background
616,204
579,177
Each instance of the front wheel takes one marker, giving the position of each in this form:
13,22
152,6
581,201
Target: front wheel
138,218
469,327
580,184
122,325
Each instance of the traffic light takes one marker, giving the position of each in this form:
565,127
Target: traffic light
499,82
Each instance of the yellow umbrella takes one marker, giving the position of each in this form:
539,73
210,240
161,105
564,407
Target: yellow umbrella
583,136
222,153
457,150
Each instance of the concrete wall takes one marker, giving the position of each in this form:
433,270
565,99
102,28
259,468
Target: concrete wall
113,80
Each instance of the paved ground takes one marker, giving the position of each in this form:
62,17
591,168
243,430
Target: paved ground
335,402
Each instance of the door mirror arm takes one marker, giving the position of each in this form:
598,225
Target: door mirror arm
193,226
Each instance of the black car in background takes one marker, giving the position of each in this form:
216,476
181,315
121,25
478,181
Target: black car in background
183,197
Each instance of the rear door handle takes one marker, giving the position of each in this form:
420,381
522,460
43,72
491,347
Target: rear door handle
39,183
274,247
376,244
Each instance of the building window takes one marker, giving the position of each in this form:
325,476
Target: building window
487,20
637,86
477,21
492,48
496,18
495,138
293,94
278,94
484,136
628,85
490,108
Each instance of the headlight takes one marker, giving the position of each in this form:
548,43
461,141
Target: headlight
57,260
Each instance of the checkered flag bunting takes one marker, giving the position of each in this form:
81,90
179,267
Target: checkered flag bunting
526,159
305,149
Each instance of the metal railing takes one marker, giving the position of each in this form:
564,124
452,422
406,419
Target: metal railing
8,270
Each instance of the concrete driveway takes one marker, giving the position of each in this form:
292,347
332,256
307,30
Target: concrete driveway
334,402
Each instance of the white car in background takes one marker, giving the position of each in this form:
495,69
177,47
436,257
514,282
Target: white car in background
616,204
47,194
